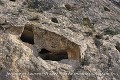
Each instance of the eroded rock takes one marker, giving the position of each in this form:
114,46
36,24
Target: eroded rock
46,40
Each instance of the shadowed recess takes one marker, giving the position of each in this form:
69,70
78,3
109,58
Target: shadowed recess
54,20
118,46
47,55
27,35
13,0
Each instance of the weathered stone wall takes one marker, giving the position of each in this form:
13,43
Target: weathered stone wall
88,31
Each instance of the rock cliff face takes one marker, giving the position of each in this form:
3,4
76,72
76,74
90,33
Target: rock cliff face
59,39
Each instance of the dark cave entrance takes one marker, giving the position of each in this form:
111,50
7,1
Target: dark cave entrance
54,20
47,55
13,0
27,35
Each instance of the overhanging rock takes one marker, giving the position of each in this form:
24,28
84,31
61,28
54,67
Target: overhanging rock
56,40
59,40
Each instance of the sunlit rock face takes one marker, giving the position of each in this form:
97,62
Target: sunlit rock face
57,44
59,40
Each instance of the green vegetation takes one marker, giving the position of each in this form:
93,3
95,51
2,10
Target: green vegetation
97,42
93,28
86,22
85,61
110,31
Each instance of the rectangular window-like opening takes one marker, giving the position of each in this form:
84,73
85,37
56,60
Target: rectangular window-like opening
47,55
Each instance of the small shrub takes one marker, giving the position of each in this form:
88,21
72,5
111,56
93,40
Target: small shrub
97,42
85,61
110,31
86,22
40,6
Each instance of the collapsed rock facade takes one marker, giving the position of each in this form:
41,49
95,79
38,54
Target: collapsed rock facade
44,39
59,40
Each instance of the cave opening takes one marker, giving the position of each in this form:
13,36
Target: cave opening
44,51
48,55
54,20
13,0
27,35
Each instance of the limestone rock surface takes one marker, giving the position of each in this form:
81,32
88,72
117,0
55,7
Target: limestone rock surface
59,39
